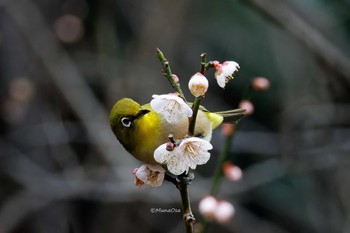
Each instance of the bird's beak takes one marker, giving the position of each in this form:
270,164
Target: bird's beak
141,113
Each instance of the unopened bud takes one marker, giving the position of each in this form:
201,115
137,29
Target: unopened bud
248,106
135,170
198,85
227,129
215,64
175,78
208,206
260,84
232,172
224,212
170,146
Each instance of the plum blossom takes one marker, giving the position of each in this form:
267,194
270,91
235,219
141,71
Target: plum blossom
191,152
149,174
224,72
171,107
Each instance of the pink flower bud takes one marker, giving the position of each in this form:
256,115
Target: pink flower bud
232,172
69,28
170,146
227,129
248,106
260,84
216,64
198,85
175,78
224,212
208,206
21,90
135,170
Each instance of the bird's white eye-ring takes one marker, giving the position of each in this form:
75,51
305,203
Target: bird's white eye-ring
126,121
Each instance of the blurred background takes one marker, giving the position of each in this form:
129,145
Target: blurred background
63,64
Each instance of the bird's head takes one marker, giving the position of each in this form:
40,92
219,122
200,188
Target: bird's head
123,115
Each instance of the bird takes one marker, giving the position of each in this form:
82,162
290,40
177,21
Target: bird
141,130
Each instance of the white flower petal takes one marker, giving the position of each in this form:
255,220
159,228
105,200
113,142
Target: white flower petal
187,110
151,174
176,165
171,107
229,67
195,151
204,144
142,173
191,152
156,167
161,154
221,79
157,104
199,160
225,71
159,181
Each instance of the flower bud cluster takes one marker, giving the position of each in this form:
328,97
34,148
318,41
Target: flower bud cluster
218,210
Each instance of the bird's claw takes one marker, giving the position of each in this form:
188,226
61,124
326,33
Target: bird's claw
185,178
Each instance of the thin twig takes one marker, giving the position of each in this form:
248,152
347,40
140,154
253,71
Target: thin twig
187,212
197,100
183,180
168,74
217,177
220,161
203,63
192,119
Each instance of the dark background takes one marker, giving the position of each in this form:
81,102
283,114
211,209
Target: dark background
63,63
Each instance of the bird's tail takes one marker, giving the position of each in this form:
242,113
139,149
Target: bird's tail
229,116
233,115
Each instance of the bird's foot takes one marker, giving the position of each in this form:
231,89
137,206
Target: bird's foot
185,178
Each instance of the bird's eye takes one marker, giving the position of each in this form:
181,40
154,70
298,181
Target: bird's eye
126,121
